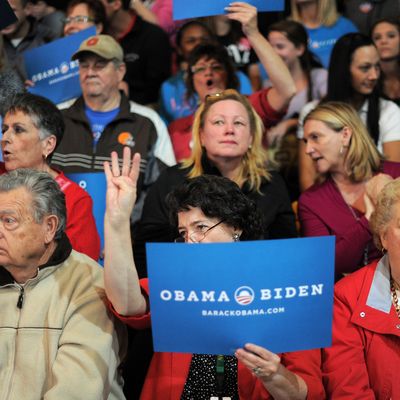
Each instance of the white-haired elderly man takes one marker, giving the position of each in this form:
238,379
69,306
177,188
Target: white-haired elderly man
57,339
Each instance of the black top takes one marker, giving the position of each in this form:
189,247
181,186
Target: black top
154,226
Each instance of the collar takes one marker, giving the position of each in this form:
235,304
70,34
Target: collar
374,310
210,168
379,296
77,111
60,254
131,25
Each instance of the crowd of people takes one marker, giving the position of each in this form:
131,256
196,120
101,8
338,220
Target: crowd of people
215,129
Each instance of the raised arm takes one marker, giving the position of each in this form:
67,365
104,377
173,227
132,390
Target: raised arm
120,276
283,85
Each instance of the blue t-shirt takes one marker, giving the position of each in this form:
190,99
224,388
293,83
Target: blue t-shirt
98,120
173,103
321,40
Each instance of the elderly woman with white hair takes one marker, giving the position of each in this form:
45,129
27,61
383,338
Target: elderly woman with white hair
363,359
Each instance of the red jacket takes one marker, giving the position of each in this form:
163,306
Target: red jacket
364,359
80,225
180,130
168,372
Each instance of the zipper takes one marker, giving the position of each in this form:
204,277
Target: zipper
20,301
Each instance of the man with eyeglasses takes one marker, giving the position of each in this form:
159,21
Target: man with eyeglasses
103,120
22,35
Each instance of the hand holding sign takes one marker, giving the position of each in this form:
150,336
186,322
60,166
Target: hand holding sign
244,13
267,367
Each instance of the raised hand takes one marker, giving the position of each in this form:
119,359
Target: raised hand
121,186
246,14
374,186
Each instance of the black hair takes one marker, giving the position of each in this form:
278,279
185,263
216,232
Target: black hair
395,21
45,115
218,53
340,82
96,9
296,33
217,197
189,24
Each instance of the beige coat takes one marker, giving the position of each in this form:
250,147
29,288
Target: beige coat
59,342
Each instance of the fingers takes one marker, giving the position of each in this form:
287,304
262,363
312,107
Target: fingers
114,164
262,362
126,161
107,171
135,168
130,168
242,12
259,351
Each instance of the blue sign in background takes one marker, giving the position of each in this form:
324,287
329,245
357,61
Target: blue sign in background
50,67
194,8
95,184
180,326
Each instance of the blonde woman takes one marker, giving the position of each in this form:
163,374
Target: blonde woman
351,174
227,140
323,23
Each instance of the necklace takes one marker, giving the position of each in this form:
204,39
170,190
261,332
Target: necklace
357,218
393,286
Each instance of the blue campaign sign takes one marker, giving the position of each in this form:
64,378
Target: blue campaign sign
194,8
95,184
50,67
213,298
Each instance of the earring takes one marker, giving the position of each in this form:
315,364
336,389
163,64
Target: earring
250,146
341,150
235,237
44,157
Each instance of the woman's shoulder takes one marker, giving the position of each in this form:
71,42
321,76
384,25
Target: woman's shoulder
316,192
319,74
345,24
352,285
69,187
391,168
388,106
170,177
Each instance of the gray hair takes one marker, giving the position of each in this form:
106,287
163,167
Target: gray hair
384,209
47,197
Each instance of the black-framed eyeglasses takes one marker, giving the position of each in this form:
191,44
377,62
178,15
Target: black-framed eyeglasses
78,19
197,235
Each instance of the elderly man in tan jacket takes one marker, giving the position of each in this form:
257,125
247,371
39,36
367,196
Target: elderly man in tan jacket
57,339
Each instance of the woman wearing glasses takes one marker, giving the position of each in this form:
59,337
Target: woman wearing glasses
82,14
211,71
227,141
205,209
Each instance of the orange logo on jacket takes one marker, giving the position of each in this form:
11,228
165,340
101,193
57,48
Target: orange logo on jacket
126,139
